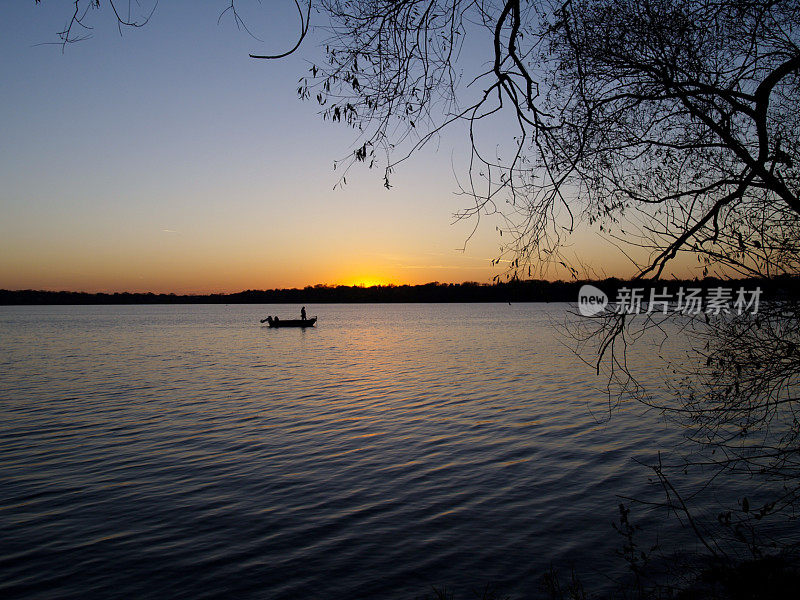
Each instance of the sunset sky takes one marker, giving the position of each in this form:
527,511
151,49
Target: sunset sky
166,160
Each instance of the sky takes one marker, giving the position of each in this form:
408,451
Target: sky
164,159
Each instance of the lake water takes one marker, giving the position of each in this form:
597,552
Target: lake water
188,451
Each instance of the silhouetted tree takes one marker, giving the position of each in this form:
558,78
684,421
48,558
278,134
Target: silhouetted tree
672,126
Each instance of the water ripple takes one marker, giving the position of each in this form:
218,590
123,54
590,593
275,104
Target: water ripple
186,452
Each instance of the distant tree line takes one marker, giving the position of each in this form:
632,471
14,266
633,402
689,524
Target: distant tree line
533,290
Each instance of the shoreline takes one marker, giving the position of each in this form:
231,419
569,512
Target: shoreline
783,287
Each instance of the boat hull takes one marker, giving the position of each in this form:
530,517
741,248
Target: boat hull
293,323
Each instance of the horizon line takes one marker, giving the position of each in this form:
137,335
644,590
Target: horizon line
402,285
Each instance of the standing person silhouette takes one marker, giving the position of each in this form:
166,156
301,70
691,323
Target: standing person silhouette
303,313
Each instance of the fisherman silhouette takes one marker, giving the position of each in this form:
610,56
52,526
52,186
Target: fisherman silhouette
303,313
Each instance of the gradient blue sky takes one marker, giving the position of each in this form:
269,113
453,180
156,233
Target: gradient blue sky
165,159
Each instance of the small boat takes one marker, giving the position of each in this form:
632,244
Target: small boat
290,322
